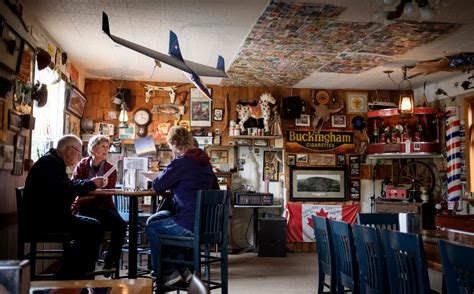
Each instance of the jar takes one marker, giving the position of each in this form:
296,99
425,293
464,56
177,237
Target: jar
237,130
231,123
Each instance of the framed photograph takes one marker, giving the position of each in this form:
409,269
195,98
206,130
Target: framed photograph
128,132
106,129
357,102
243,142
291,159
271,167
260,142
27,64
303,121
76,102
200,109
338,121
22,97
10,49
115,147
75,125
354,189
67,122
14,121
354,165
221,155
321,159
302,158
218,114
318,184
19,157
341,159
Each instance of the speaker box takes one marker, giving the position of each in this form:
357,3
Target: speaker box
292,107
272,237
127,97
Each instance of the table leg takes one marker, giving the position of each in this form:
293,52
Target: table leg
255,227
132,235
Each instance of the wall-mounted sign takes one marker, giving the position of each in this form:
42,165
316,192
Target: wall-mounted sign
332,141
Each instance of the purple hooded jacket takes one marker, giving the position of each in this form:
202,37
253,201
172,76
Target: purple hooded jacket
184,176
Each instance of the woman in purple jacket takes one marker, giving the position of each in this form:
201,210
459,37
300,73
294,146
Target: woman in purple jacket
189,172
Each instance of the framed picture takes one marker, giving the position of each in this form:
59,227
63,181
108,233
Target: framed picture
221,155
318,184
341,159
128,132
10,49
76,102
218,114
22,97
67,119
14,121
75,125
8,157
27,64
303,120
357,102
271,166
354,189
115,147
338,121
243,142
200,109
321,159
301,157
19,157
260,142
354,165
291,159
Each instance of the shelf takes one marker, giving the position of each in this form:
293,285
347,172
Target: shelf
396,112
404,155
254,137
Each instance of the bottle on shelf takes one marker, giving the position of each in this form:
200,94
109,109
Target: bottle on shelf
382,132
375,133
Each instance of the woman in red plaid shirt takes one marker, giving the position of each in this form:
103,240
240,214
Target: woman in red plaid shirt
101,208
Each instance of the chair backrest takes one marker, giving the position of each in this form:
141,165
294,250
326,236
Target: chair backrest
346,260
21,222
458,267
121,204
406,262
371,256
325,247
379,220
211,218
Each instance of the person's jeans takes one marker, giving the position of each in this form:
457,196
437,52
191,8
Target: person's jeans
166,226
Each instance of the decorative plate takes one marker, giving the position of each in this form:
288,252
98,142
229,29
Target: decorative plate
322,97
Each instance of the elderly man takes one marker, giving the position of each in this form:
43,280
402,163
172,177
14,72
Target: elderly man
48,196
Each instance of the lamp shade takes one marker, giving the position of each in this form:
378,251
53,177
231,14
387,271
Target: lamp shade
406,104
123,116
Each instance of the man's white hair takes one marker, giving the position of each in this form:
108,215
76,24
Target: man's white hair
68,140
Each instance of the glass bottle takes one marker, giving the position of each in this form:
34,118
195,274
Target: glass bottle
382,132
375,132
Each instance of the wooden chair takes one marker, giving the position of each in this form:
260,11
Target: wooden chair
458,267
27,236
210,229
347,268
371,256
326,255
406,262
388,221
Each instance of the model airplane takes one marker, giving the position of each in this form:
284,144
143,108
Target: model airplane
191,69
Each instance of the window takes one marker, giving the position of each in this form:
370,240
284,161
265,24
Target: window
49,118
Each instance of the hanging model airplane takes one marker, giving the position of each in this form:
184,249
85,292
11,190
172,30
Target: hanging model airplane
191,69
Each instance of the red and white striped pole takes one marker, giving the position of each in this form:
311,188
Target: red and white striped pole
453,152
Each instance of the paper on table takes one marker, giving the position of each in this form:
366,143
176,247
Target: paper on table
109,172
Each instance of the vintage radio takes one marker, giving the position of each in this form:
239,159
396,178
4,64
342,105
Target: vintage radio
253,199
398,192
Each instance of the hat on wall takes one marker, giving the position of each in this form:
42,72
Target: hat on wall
358,122
43,58
40,94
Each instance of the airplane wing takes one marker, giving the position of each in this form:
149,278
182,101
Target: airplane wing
204,70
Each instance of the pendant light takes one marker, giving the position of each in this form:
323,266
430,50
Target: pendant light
123,116
406,102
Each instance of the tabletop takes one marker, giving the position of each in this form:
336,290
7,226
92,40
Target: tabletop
139,286
110,192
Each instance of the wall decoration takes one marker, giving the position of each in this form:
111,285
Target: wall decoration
22,97
218,114
27,64
324,141
354,165
67,123
303,121
242,142
111,115
19,157
356,102
200,109
161,129
221,155
321,159
271,166
338,121
10,49
115,147
260,142
76,102
8,152
341,159
291,159
128,132
103,128
302,158
75,125
14,121
354,189
318,184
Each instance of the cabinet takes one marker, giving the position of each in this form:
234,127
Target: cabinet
388,131
425,210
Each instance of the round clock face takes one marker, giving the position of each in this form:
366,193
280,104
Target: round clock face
322,97
142,117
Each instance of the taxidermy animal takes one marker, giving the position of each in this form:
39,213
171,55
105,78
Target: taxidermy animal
192,70
170,109
150,88
261,110
322,114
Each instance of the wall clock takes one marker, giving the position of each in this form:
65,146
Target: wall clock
142,118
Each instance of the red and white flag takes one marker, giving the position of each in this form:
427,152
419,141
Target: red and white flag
299,222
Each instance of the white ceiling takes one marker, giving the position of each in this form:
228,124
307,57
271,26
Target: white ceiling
210,28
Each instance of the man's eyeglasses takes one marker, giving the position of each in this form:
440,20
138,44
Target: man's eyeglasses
77,150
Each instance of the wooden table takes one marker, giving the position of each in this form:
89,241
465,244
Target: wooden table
125,286
133,220
430,242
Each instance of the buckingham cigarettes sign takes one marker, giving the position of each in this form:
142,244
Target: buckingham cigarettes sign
335,142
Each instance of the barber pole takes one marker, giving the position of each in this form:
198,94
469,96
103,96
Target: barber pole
453,147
